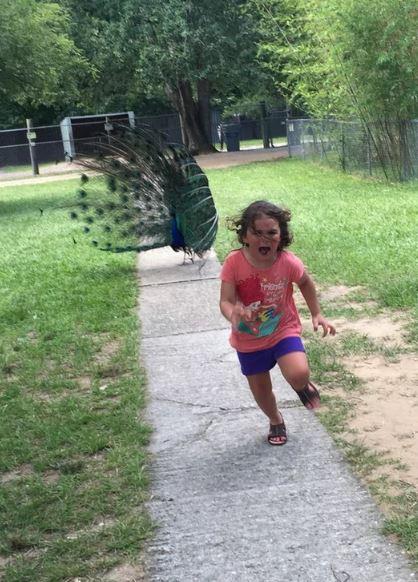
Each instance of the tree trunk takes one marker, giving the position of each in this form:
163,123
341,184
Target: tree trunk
193,128
203,100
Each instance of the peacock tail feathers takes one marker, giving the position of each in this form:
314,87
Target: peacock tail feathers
144,194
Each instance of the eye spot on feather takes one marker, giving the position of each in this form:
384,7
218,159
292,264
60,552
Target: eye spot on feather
111,182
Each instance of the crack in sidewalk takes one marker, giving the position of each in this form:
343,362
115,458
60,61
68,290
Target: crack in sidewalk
282,404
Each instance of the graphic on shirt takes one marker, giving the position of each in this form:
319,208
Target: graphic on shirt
264,298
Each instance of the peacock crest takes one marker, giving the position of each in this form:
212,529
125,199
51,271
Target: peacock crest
144,194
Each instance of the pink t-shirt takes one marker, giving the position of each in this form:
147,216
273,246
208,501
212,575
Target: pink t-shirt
270,293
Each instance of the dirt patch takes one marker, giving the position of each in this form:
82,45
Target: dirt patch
390,330
3,562
337,292
385,410
84,382
107,352
125,573
69,171
25,470
51,477
227,159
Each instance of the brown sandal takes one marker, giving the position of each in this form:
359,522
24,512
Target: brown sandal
309,396
277,430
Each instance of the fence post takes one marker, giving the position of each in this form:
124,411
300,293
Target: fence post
108,128
264,125
32,151
369,155
289,128
343,167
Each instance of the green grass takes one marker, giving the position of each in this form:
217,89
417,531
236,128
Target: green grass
13,169
348,230
72,443
24,168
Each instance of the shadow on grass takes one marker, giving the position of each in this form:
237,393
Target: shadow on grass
36,205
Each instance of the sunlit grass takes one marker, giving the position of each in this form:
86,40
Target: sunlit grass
72,442
347,230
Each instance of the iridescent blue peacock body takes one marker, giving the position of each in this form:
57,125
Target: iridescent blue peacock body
145,194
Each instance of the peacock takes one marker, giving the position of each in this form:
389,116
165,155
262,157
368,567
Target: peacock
152,194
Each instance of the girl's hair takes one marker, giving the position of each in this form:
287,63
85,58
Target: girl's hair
240,224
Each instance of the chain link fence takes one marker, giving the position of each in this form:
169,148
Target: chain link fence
382,149
250,133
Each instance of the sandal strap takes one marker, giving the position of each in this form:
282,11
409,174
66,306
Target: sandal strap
277,430
308,393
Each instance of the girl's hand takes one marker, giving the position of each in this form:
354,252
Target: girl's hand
327,328
236,315
241,313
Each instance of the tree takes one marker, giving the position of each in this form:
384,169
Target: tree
354,59
39,63
187,51
194,49
337,57
96,29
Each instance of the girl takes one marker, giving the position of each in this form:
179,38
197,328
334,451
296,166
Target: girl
257,298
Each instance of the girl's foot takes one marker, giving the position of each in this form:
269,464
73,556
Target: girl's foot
309,396
277,435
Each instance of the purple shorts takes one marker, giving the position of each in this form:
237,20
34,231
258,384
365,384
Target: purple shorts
265,360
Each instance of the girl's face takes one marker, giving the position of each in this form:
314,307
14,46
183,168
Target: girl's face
262,240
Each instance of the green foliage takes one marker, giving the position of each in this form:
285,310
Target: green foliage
39,63
97,28
180,52
376,47
189,41
343,58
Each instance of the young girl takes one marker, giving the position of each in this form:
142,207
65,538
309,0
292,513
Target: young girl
257,298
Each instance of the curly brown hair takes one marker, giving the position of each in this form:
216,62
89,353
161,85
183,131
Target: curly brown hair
241,223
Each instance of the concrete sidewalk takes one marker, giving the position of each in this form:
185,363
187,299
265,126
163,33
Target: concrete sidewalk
229,507
70,171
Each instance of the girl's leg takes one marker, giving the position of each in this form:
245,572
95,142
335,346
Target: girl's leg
262,390
295,369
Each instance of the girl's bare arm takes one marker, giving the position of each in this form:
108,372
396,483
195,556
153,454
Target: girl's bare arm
307,288
230,308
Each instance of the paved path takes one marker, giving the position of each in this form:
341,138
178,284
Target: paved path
229,506
68,171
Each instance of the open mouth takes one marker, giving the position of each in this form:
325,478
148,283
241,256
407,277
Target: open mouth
264,250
